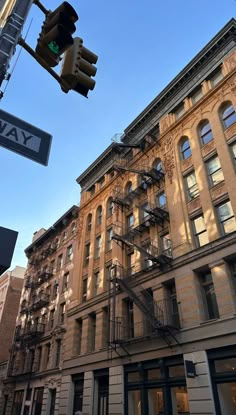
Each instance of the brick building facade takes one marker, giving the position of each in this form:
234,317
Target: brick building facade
150,325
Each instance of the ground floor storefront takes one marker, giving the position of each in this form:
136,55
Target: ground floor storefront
197,383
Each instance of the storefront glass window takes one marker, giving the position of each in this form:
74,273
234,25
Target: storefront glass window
134,402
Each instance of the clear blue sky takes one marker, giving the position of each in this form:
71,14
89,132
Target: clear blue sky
141,46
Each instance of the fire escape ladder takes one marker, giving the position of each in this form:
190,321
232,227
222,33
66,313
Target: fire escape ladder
151,310
160,215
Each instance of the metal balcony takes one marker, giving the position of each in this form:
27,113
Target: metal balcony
41,301
30,283
124,333
48,250
45,275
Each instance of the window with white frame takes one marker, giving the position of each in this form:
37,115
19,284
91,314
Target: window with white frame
89,222
86,254
199,230
99,215
228,115
109,207
98,244
205,133
226,217
109,239
84,289
69,253
166,245
215,173
96,282
191,186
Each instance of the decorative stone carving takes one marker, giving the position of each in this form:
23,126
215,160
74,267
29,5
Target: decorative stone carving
169,165
232,84
167,144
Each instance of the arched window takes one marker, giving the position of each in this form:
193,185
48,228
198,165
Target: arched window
228,115
99,215
73,227
185,148
109,207
129,188
205,132
89,222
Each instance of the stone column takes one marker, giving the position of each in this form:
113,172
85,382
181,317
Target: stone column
88,393
200,393
116,391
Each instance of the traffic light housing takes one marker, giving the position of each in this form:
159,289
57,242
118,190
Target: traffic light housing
55,36
77,68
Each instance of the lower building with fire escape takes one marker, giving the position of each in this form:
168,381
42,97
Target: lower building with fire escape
151,323
33,384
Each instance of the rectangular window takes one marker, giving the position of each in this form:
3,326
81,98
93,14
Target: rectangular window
191,186
37,401
86,254
53,393
128,310
215,173
98,244
62,313
197,95
109,239
92,332
179,111
69,253
226,218
48,349
17,402
166,245
52,266
51,319
130,221
39,358
216,77
84,290
101,182
65,282
161,200
209,296
59,262
200,232
130,264
58,353
55,290
96,282
78,339
92,190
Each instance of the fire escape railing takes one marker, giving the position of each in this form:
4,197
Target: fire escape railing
41,301
44,275
158,315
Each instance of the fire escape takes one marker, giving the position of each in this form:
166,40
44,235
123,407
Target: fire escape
159,320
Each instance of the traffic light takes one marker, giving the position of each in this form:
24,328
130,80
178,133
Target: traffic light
55,36
77,68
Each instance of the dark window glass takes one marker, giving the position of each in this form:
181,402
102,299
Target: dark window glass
185,149
206,133
228,116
